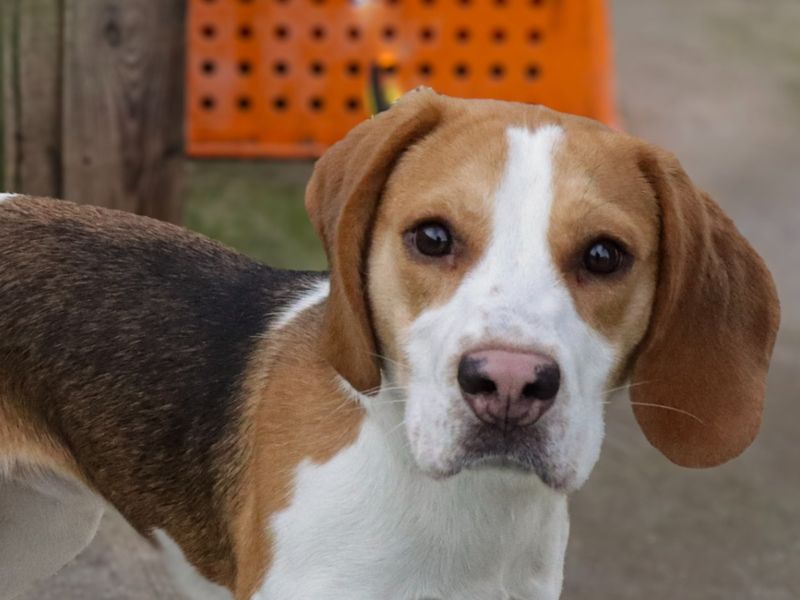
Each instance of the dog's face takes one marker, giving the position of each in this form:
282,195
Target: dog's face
523,251
507,266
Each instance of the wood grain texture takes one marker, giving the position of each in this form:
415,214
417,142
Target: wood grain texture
92,102
122,113
122,104
31,95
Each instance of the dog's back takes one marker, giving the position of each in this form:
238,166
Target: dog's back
125,380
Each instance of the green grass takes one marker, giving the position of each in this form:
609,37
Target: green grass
255,207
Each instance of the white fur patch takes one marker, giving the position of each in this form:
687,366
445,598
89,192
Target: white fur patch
311,297
6,197
368,524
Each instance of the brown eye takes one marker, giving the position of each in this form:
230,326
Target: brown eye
603,257
432,239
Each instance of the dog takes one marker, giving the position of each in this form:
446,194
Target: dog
408,426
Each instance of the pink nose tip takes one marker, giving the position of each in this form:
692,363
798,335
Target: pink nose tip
508,389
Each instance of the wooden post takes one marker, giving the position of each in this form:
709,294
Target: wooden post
93,101
31,86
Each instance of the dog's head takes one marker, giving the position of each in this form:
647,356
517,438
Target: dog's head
502,267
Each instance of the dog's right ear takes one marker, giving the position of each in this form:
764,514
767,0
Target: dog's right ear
342,199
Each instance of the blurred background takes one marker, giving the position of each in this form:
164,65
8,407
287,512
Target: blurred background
164,108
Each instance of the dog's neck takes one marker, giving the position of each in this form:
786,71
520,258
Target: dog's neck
356,510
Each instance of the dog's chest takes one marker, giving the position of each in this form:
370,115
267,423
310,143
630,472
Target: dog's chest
366,526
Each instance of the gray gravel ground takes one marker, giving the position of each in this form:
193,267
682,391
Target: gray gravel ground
717,82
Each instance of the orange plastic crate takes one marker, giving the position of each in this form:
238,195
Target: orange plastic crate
288,78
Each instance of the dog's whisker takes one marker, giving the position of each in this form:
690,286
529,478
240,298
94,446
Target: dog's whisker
379,399
396,427
672,408
341,406
387,359
383,388
627,386
371,390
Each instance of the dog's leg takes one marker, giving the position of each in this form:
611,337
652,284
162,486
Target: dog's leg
45,521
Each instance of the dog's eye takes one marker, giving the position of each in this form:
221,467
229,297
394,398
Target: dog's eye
432,239
603,257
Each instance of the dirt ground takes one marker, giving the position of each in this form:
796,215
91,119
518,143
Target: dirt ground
717,82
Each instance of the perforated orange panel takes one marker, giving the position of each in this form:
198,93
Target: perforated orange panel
289,77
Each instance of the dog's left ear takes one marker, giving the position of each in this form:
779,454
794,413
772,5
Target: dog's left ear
342,200
714,321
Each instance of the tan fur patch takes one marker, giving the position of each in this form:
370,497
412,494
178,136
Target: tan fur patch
298,412
23,445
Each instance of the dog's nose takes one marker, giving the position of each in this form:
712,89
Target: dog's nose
508,389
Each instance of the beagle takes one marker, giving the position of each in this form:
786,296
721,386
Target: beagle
408,426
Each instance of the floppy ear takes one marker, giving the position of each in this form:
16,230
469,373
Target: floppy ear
714,321
342,199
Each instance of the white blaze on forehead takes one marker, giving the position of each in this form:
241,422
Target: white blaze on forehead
5,197
522,211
